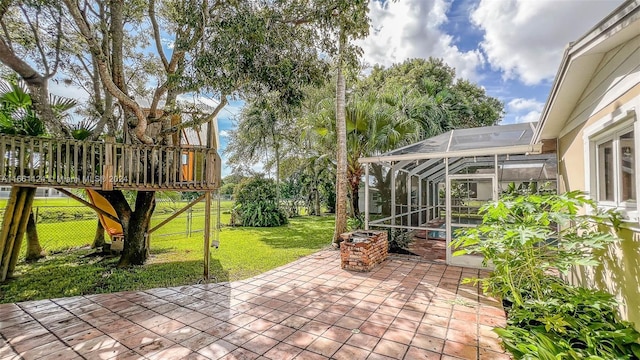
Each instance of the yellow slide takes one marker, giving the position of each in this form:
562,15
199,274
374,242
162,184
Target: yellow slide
112,227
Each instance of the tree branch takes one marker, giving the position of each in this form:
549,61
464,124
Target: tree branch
156,33
59,36
35,30
38,87
105,76
200,121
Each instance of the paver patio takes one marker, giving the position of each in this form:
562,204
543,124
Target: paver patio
308,309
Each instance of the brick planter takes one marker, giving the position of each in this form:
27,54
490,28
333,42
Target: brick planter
362,250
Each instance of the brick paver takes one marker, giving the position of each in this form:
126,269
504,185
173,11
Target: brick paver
308,309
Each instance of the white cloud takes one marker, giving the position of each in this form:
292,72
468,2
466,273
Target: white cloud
524,110
411,29
224,133
520,104
531,116
525,39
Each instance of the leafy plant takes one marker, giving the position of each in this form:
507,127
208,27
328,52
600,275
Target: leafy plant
399,239
355,222
257,204
571,323
83,129
528,237
17,114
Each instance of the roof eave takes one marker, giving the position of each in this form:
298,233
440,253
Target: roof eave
579,48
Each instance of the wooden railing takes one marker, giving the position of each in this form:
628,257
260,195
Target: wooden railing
37,161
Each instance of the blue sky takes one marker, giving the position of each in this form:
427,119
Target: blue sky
510,47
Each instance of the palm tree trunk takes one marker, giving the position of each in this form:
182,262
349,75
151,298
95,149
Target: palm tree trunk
316,201
341,171
277,154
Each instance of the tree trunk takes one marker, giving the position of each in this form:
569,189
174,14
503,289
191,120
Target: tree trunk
355,202
98,239
383,184
355,177
277,154
136,247
341,170
34,250
316,201
135,224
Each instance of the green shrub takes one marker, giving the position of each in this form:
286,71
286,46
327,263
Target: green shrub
355,223
256,203
528,239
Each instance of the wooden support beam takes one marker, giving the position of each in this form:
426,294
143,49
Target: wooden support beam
107,167
187,207
207,233
21,198
30,194
86,203
6,222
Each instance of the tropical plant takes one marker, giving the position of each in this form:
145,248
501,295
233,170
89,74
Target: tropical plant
18,116
374,124
570,323
83,129
530,238
256,203
399,239
17,113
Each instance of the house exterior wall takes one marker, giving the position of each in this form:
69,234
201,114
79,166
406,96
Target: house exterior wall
613,92
374,201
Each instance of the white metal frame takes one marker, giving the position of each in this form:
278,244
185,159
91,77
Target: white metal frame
465,260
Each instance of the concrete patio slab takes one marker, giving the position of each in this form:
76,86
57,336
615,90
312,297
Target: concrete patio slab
405,308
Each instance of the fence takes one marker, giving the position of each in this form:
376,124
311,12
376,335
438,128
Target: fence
63,227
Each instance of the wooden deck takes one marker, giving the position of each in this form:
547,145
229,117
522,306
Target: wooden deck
47,162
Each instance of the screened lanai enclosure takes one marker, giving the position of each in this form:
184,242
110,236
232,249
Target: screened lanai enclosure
430,189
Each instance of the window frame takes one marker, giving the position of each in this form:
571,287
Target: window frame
597,135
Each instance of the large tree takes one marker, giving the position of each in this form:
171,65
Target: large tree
220,48
437,98
375,123
347,21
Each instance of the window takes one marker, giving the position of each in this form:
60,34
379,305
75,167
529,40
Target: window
615,173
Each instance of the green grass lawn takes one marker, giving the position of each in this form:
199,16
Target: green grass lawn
175,260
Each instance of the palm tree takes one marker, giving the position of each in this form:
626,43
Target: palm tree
264,127
374,124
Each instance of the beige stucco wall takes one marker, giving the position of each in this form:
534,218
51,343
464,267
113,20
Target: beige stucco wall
619,271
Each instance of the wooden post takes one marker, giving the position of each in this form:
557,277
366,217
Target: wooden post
207,232
11,237
6,222
13,231
29,194
107,167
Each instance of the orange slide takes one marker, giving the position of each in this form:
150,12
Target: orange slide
113,228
